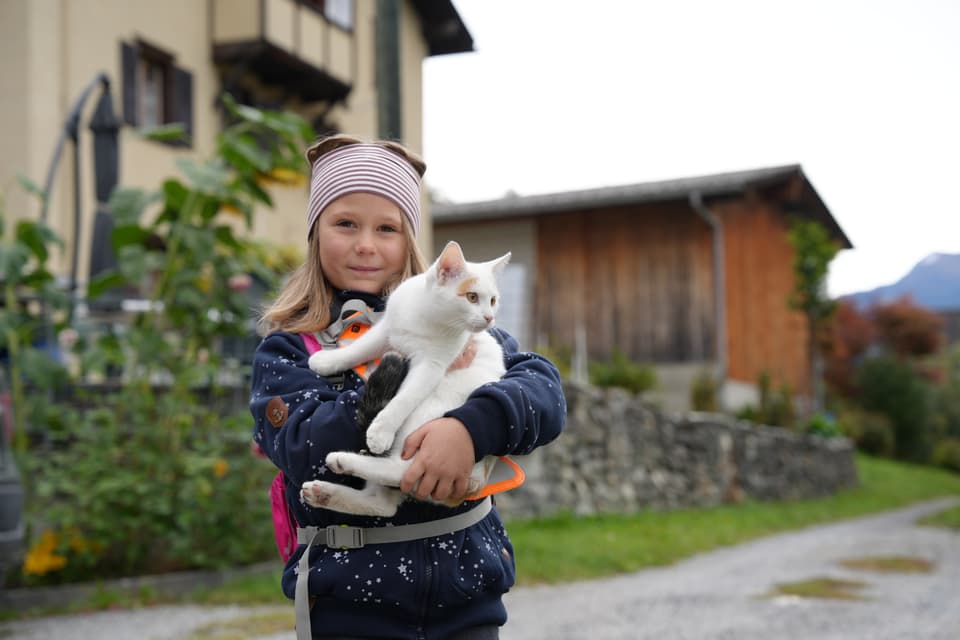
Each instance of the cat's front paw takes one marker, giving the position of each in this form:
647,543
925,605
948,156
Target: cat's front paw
379,436
324,363
335,462
316,493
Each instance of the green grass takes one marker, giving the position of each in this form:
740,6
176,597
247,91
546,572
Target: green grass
949,519
565,547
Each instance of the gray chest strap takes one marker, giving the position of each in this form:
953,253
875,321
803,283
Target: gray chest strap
344,537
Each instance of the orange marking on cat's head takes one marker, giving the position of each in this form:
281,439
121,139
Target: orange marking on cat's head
466,286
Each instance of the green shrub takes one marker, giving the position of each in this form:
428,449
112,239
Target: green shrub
872,432
823,425
704,391
893,388
144,483
140,480
622,372
946,454
561,356
776,405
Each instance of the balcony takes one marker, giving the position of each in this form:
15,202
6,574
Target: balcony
300,45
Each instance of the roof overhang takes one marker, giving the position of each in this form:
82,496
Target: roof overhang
443,28
710,187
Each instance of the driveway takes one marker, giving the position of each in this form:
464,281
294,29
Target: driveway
720,595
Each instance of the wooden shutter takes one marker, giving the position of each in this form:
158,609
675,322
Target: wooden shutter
128,70
182,102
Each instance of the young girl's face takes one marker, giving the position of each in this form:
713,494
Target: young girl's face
362,243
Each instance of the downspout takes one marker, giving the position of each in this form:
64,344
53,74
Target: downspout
719,287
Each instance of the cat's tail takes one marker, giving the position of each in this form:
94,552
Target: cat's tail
381,387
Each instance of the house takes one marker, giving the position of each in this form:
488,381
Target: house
345,65
689,275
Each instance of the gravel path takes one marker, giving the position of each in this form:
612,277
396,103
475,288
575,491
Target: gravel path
712,596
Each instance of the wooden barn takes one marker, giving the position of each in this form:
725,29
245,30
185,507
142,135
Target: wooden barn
689,275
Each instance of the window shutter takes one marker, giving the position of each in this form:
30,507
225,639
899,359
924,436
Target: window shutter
182,102
128,64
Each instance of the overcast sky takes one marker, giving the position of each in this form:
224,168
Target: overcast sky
563,95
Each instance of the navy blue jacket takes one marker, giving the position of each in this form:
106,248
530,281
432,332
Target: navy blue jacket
424,589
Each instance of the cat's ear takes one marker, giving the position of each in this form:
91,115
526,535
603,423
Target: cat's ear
500,263
451,263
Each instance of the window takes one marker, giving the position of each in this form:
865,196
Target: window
155,91
337,12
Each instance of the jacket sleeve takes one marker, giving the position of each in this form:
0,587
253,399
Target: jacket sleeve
298,416
522,411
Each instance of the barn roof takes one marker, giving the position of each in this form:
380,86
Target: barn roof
710,186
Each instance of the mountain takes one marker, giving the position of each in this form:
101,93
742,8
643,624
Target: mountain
933,283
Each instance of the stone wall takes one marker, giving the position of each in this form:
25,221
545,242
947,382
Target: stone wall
617,454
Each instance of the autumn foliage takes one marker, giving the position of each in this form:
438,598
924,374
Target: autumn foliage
901,329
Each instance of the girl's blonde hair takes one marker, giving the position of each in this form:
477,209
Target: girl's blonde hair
303,304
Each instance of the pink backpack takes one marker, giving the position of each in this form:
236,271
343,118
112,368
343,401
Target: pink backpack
354,320
284,524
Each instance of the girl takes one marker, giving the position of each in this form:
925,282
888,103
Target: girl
362,219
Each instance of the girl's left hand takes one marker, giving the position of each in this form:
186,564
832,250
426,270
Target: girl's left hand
444,459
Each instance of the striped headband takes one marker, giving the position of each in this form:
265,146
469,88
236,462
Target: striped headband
364,168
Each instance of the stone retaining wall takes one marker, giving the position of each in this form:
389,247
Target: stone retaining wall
616,454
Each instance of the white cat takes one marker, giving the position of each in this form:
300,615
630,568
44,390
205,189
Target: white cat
429,319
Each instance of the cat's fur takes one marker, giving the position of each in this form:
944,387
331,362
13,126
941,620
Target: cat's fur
429,319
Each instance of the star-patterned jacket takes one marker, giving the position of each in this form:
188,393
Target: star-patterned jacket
423,589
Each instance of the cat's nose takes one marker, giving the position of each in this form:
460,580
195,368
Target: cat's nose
488,318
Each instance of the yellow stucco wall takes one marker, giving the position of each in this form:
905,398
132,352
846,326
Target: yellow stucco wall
51,49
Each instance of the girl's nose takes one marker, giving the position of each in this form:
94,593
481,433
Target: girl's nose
365,244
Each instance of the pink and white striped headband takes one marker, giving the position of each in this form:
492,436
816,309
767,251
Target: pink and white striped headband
364,168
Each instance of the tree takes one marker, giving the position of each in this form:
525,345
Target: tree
906,329
851,332
813,251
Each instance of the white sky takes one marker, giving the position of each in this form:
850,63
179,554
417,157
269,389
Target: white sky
865,95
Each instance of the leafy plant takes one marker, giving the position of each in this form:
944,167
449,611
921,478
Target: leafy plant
813,251
143,483
622,372
823,425
156,473
179,247
30,311
776,405
703,392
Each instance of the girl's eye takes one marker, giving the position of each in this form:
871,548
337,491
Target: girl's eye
388,229
345,223
472,297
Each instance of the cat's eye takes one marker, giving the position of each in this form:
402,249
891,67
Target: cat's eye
472,297
493,301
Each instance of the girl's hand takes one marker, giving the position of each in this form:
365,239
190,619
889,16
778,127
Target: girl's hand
444,459
465,358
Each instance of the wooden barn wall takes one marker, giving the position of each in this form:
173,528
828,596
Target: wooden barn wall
763,333
638,279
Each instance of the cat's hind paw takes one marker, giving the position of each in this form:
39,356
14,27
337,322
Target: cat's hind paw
316,493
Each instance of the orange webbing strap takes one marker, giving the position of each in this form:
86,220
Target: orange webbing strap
504,477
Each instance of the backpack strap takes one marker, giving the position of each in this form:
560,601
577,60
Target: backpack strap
346,537
355,319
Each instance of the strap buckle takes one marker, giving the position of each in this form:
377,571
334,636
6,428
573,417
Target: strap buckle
344,537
